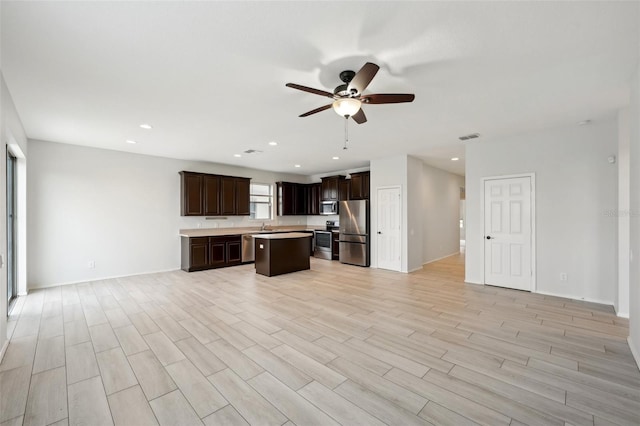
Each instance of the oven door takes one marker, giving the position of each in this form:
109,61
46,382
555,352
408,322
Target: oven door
323,245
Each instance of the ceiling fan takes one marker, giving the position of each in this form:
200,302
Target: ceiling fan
348,97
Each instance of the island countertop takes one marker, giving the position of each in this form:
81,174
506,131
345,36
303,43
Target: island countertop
283,236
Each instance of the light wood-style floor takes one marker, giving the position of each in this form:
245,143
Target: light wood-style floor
335,345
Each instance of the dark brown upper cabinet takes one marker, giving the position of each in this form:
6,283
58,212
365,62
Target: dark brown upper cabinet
191,194
203,194
286,194
228,195
366,185
297,198
314,197
331,188
211,195
302,203
344,189
359,186
242,197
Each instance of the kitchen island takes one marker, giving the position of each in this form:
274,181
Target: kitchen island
278,254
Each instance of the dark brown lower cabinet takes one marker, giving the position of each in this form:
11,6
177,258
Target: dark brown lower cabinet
217,256
200,253
233,251
335,245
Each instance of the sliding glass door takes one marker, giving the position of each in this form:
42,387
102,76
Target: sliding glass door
11,231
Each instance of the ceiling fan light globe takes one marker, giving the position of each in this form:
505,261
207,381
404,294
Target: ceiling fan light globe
346,107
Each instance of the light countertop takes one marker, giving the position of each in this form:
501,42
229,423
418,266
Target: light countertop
283,236
214,232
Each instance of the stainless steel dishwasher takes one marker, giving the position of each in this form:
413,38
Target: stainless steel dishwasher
248,248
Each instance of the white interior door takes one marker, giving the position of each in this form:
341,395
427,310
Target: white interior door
389,241
507,233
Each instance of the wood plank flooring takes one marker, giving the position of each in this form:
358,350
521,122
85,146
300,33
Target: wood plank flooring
337,344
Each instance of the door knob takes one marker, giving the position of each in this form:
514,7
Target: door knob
488,237
379,232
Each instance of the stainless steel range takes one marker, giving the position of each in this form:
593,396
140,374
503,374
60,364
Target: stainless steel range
324,245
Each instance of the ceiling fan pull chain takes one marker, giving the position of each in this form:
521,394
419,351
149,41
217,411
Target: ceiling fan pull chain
346,131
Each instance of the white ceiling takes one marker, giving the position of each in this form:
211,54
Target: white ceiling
210,76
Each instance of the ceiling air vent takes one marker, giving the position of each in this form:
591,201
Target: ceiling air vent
471,136
252,151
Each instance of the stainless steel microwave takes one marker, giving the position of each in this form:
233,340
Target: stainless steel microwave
329,207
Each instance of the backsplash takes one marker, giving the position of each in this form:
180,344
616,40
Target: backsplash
321,220
189,222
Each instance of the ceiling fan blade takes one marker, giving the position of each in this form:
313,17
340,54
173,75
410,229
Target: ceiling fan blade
388,98
313,111
359,117
363,77
310,90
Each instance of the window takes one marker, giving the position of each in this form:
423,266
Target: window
261,197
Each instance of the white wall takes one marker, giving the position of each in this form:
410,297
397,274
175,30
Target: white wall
576,188
387,172
440,192
621,302
415,213
634,280
463,218
118,209
12,133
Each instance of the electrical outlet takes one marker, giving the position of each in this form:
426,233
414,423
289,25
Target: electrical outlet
91,264
563,276
199,225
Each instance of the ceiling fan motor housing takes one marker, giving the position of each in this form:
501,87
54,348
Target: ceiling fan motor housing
347,76
341,90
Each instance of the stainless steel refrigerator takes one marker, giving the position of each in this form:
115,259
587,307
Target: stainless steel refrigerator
354,232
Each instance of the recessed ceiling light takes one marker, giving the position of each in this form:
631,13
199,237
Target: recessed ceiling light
335,158
297,165
237,155
130,141
146,126
455,159
272,143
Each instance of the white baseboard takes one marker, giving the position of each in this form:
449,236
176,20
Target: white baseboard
634,352
4,349
576,298
473,282
622,315
440,258
102,278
